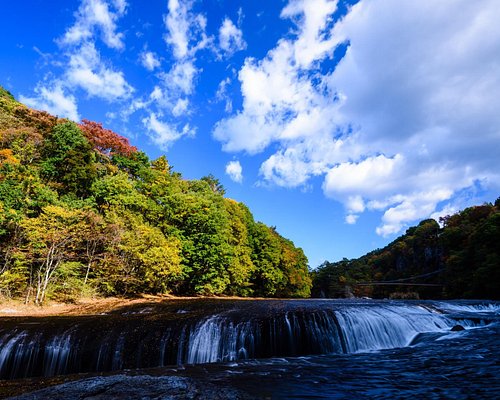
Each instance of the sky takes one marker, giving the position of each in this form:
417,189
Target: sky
342,123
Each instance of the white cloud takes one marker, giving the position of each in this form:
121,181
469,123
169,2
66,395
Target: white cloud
180,79
371,176
163,133
82,66
54,100
281,100
86,70
405,121
185,29
185,36
351,219
149,60
234,170
181,107
95,15
222,95
313,17
156,94
230,38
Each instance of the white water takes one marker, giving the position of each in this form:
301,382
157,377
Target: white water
57,352
312,328
473,308
217,339
353,329
376,328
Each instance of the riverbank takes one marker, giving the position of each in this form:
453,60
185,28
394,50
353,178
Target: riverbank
101,305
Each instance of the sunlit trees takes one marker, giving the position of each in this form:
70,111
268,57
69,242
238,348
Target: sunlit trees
84,212
463,256
68,160
105,141
50,239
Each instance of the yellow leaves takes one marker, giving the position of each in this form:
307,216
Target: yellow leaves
56,225
6,157
152,257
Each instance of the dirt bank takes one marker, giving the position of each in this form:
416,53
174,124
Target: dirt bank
91,306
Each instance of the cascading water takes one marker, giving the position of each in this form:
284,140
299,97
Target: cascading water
239,331
376,328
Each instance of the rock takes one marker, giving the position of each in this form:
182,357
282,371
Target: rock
142,387
457,328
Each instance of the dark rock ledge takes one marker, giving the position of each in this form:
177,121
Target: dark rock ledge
144,387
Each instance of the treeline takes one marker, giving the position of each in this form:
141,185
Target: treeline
82,212
463,256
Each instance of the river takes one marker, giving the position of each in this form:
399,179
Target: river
265,349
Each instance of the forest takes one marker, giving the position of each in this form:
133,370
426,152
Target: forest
458,258
83,213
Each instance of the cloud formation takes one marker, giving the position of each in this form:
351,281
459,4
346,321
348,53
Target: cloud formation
230,38
404,121
234,171
54,100
82,64
92,16
87,71
164,133
149,60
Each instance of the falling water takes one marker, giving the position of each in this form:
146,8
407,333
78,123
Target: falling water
237,332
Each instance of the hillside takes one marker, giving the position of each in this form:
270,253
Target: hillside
461,259
82,212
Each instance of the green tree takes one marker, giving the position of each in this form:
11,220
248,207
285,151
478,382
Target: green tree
51,239
69,160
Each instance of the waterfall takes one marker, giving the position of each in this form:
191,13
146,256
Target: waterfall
217,339
262,330
376,328
57,352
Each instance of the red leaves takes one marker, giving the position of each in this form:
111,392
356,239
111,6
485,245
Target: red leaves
105,141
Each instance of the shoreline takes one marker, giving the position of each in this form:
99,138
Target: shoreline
90,306
10,308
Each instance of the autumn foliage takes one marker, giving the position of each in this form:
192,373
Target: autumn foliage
84,213
105,141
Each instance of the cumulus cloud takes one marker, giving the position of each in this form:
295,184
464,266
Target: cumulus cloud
163,133
181,107
230,38
81,62
87,71
404,121
281,100
186,36
149,60
234,171
55,100
222,95
96,15
185,29
180,78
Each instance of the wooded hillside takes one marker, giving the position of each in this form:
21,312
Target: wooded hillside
461,258
83,212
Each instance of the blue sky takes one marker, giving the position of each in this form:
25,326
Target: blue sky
340,123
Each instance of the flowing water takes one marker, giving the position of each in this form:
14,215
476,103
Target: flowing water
276,349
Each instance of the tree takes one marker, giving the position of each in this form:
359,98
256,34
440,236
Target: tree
50,239
266,254
153,261
105,141
214,184
293,263
69,160
241,267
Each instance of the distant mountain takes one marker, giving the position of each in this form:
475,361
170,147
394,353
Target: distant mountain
461,259
82,212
